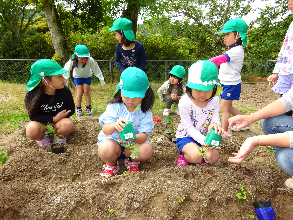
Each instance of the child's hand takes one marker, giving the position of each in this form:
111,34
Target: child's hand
273,78
205,145
119,124
122,142
61,115
174,96
218,129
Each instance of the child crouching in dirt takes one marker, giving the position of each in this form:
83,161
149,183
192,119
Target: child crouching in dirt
133,90
48,101
199,112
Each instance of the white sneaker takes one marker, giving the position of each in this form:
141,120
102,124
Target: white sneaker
176,111
289,183
166,112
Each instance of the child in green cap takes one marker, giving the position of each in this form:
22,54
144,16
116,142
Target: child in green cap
48,101
82,65
199,111
172,90
231,62
132,101
128,49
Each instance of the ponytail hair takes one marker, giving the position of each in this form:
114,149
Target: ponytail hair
125,41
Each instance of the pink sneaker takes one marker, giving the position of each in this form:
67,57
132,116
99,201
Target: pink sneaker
182,161
44,142
132,166
227,134
234,127
110,170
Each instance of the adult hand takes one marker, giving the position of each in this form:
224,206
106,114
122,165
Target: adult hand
273,78
244,121
244,151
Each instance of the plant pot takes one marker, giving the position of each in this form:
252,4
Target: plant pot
172,138
58,149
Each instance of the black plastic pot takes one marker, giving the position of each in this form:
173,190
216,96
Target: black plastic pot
172,138
58,149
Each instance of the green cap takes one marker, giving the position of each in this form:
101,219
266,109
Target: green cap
178,71
41,69
123,24
81,51
133,83
237,24
203,76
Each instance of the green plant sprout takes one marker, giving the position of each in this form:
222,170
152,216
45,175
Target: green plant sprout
202,150
134,150
51,130
182,199
169,120
111,211
250,215
3,158
224,204
242,194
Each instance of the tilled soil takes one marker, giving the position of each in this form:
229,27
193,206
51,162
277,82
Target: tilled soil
36,184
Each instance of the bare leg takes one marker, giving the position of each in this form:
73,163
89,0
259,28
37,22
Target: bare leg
79,94
35,131
109,150
144,153
87,95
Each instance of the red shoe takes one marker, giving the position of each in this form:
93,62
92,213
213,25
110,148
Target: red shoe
132,166
110,170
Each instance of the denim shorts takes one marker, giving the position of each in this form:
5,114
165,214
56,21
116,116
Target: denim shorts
181,142
231,92
81,81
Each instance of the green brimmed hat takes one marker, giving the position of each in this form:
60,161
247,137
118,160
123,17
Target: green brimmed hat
178,71
203,76
133,83
41,69
123,24
237,24
81,51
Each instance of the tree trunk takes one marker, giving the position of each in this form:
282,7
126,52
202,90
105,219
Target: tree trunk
132,14
57,34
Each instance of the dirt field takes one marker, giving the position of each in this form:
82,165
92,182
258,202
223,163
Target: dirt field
36,184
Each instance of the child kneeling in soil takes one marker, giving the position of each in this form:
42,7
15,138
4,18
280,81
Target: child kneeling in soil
48,101
172,90
199,112
133,90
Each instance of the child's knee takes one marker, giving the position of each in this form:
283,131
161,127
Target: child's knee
32,130
107,148
212,157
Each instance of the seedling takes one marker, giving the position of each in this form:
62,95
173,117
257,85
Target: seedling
242,194
3,158
250,215
51,131
169,120
182,199
202,150
134,149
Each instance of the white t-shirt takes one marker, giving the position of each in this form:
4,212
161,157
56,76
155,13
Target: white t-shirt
229,73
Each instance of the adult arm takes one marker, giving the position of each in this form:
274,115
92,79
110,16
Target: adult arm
274,109
279,140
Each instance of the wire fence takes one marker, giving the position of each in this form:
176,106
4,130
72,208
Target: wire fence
18,70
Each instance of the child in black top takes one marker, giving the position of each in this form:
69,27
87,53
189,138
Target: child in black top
48,101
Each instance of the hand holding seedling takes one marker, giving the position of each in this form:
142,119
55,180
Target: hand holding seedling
119,124
125,142
244,151
61,115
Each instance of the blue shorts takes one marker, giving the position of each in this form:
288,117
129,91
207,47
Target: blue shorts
231,92
81,81
181,142
122,155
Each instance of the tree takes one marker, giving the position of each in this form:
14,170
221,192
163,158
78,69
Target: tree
208,16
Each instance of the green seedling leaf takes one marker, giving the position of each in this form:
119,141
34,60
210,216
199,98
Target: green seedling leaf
3,158
242,194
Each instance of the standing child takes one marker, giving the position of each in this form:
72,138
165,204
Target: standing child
283,72
133,90
130,50
48,101
82,66
172,90
231,62
199,112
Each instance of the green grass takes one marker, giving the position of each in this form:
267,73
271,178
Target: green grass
13,112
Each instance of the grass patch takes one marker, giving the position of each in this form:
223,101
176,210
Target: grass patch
13,112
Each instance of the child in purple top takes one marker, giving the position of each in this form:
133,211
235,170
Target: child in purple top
199,112
130,50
